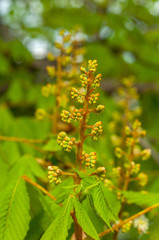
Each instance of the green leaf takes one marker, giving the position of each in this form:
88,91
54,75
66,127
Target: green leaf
87,189
80,173
27,165
114,203
10,152
101,204
93,215
142,199
15,93
84,220
58,230
52,146
14,212
71,187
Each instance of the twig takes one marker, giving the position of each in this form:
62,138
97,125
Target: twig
21,140
119,225
38,187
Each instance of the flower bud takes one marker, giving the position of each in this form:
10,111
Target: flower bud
93,98
53,175
62,32
116,171
50,56
143,133
126,227
100,176
97,130
51,71
82,69
66,116
90,159
100,108
84,80
65,142
101,170
118,152
58,45
77,114
127,130
143,178
47,90
145,154
135,168
136,124
92,65
40,113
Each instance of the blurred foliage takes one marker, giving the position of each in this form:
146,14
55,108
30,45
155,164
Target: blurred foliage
123,35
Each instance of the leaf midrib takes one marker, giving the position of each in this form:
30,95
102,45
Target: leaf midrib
10,204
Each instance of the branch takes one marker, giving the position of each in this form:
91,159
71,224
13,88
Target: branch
119,225
28,141
21,140
38,187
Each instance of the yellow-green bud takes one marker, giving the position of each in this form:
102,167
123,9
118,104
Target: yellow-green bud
51,71
40,113
82,69
126,227
58,45
143,178
100,108
146,153
127,130
50,56
118,152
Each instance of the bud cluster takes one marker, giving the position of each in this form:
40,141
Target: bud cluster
142,179
119,152
65,70
126,227
145,154
97,80
128,93
83,78
97,130
66,116
93,98
76,95
65,142
54,174
77,114
126,136
116,171
99,109
85,96
100,173
86,78
51,71
92,65
90,159
128,110
47,90
135,168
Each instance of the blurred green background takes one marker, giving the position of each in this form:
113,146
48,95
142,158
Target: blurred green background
123,35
